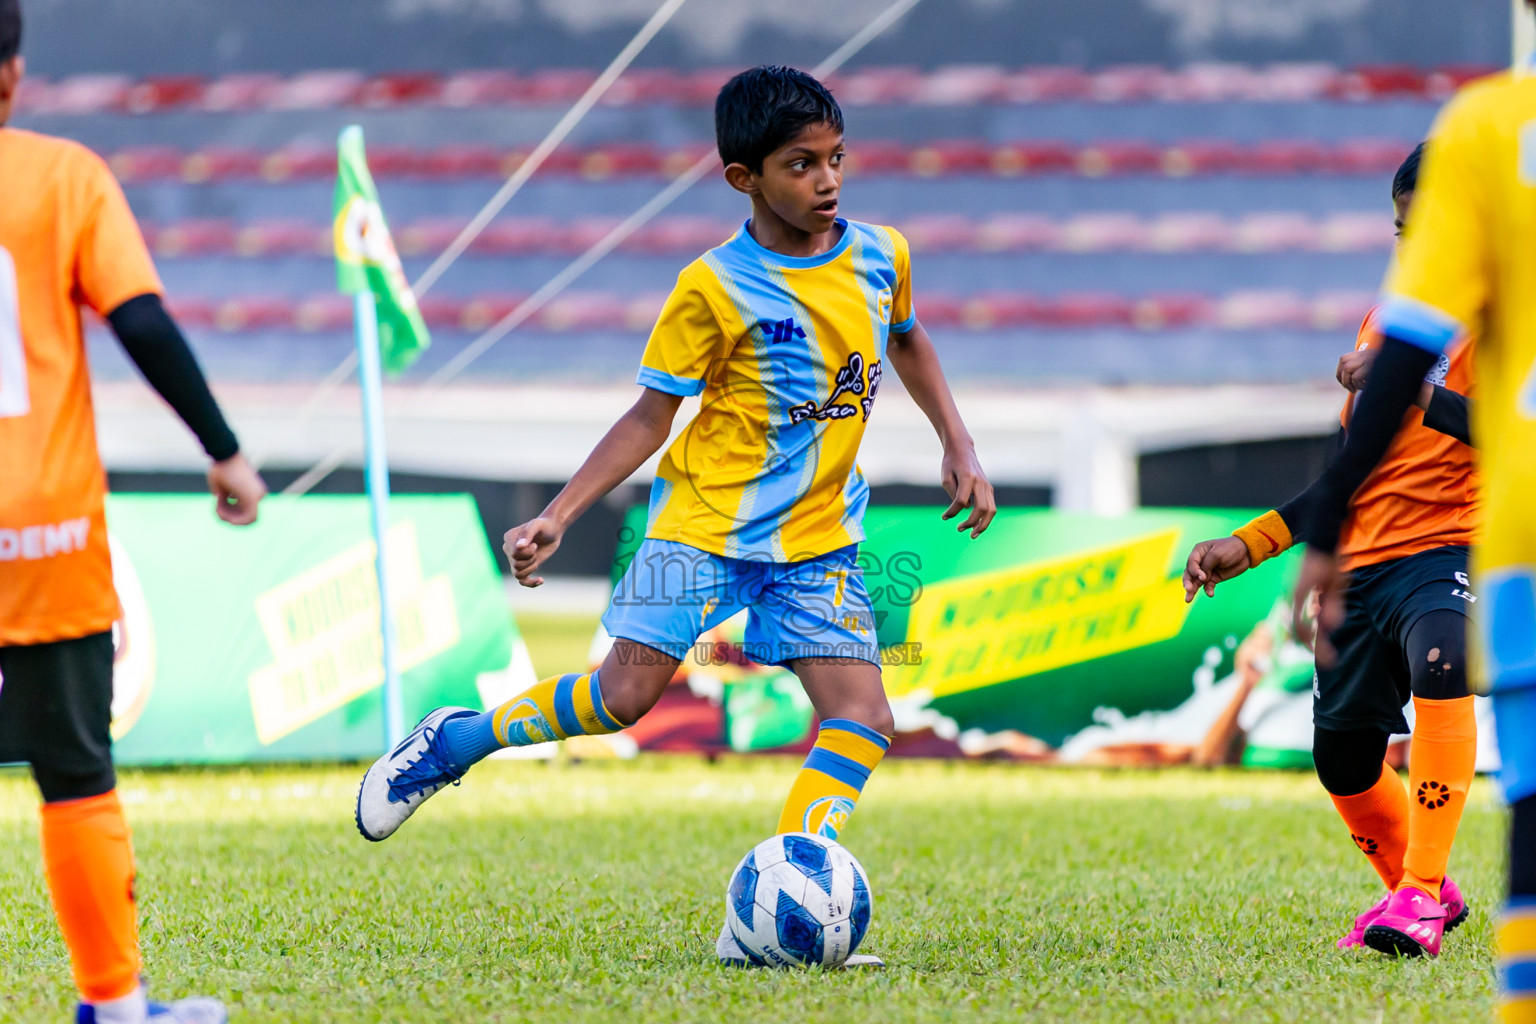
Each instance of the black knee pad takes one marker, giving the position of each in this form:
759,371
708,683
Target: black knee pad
1436,649
1348,761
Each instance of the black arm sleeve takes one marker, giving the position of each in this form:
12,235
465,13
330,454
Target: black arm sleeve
1394,383
1297,512
1450,412
156,346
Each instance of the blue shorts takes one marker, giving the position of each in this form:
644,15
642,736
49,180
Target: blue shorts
673,593
1509,645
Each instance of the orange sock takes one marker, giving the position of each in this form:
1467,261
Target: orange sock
1441,763
89,862
1378,823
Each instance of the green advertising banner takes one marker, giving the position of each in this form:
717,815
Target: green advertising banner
262,643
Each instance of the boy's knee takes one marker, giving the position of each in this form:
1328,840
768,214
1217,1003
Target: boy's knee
628,695
1437,656
876,716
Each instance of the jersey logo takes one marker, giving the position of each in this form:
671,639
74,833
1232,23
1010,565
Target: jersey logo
1274,545
781,330
850,381
1436,376
883,304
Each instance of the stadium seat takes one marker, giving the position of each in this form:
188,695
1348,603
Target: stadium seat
1368,156
1012,159
455,162
1213,156
428,236
702,86
563,160
1295,82
1107,158
482,311
240,92
284,238
1357,232
400,90
513,236
625,160
190,312
1440,83
648,87
1089,309
442,312
583,311
220,164
1284,157
1262,310
323,314
641,312
680,235
1276,232
1046,84
1160,312
145,163
317,90
991,310
938,309
556,85
254,313
874,157
1018,232
1190,232
940,232
1104,232
871,86
1375,82
1129,83
163,92
302,162
480,89
584,232
394,161
961,85
1336,311
951,156
1210,82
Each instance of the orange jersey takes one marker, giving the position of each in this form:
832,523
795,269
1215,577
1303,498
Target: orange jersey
1423,494
67,239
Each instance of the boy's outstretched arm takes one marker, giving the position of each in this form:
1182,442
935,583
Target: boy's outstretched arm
917,364
638,434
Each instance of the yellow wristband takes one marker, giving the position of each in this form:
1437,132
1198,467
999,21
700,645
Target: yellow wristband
1264,537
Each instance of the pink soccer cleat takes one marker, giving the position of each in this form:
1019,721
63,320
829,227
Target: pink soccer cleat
1411,924
1450,898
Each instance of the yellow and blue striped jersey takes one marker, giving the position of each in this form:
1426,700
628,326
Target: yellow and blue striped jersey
1469,266
787,353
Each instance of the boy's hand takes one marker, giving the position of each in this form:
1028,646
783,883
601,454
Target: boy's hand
529,546
237,490
1313,619
1213,561
1354,368
967,487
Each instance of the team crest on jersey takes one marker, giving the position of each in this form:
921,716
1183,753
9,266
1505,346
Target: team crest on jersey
851,380
1437,374
883,303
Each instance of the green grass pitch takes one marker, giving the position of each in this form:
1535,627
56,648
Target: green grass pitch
558,892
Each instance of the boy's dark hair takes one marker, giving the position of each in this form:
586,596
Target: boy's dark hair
1407,177
761,109
10,29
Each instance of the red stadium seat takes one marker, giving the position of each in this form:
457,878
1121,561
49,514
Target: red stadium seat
1276,232
1335,311
1129,83
1210,82
221,164
875,157
951,156
961,85
1379,82
556,85
1368,156
88,94
482,311
991,310
190,312
301,162
648,87
323,314
240,92
1159,312
163,93
1263,310
480,89
254,313
704,85
317,90
516,236
940,310
1104,232
1090,309
1190,232
284,238
1018,232
146,163
1013,159
195,238
641,312
562,161
1358,232
1295,82
624,160
584,232
940,232
1047,84
676,161
872,86
1442,82
461,161
1279,157
1107,158
428,237
395,161
680,235
1212,156
442,312
401,90
583,311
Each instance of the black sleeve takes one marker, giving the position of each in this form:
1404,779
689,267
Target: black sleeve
1395,380
1298,511
156,346
1450,412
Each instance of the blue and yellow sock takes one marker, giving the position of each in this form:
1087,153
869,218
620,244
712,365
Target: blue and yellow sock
1517,961
555,709
834,774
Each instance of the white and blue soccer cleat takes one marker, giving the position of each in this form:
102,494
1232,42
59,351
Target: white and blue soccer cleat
135,1008
730,954
403,779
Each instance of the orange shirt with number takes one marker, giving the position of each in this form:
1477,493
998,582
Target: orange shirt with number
1424,493
67,240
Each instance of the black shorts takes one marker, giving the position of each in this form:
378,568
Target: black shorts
56,710
1368,685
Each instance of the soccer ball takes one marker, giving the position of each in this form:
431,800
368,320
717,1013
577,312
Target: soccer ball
799,900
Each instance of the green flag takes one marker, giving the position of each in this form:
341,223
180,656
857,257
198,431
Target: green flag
366,259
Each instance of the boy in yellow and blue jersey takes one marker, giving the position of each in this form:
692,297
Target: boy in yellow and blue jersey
1470,267
784,331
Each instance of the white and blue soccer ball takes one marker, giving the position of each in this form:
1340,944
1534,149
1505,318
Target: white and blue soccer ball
799,900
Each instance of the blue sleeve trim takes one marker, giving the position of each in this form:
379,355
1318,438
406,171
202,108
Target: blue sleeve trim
1418,323
845,770
905,326
858,729
672,384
